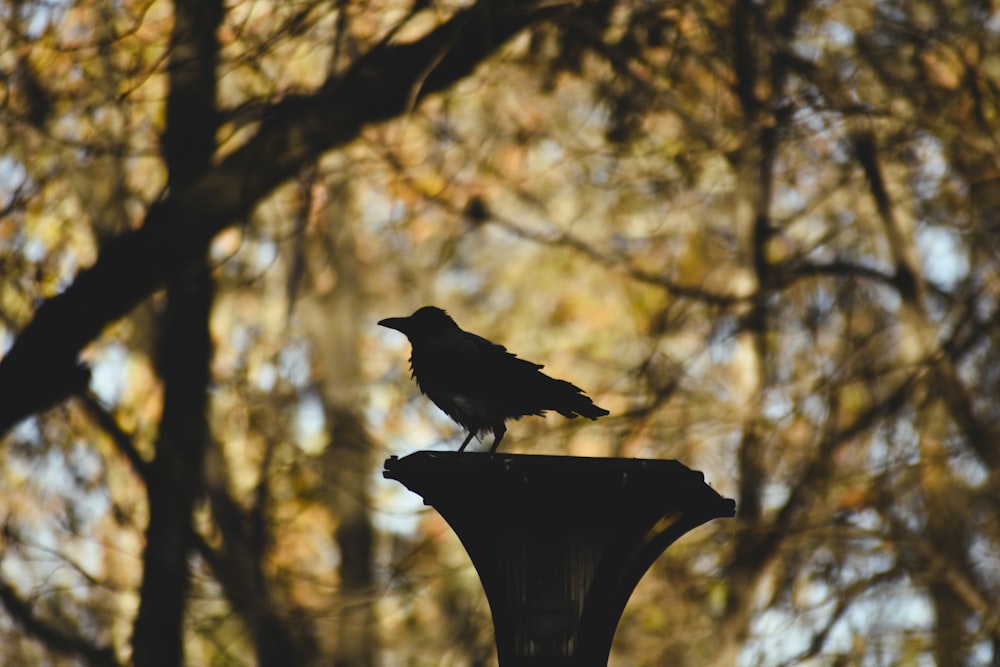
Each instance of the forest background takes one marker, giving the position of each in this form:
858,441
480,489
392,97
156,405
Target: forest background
765,235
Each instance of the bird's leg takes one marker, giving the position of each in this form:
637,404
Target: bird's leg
498,432
466,441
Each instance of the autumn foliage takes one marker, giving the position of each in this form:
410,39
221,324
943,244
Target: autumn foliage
764,235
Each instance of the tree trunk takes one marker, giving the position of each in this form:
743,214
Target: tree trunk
175,480
333,319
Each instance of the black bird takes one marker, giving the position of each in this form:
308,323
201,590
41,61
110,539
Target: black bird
478,383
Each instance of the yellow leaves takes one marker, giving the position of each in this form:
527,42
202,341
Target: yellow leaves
46,230
565,270
943,66
856,499
799,433
653,620
853,398
226,243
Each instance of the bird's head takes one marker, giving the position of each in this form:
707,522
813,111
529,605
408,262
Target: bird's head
427,321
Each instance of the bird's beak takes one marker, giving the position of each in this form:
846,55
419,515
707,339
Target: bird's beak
397,323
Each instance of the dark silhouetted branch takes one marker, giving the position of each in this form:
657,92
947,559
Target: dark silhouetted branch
55,639
176,474
122,440
41,368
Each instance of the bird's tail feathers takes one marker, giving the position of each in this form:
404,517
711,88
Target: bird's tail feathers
578,404
584,408
591,411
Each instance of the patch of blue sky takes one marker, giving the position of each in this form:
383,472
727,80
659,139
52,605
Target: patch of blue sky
836,33
12,176
383,215
389,339
309,424
427,424
263,254
867,520
896,446
550,153
310,416
942,255
599,175
294,364
777,636
721,344
27,431
465,281
39,15
775,496
265,377
870,558
983,653
887,618
398,510
53,570
778,405
815,408
983,555
930,165
65,475
33,249
791,199
887,295
109,373
6,340
242,337
69,267
87,466
965,465
783,635
21,568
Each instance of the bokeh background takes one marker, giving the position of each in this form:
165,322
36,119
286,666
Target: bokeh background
765,235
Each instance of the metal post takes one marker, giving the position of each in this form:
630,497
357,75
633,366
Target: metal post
559,542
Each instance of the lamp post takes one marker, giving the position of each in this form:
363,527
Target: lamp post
559,542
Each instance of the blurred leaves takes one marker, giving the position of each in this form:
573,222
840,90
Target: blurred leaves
763,234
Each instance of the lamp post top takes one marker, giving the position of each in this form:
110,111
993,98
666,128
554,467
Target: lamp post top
559,542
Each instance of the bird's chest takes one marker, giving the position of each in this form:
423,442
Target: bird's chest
438,371
453,383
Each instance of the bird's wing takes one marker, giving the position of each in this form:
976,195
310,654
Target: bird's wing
463,363
473,373
520,388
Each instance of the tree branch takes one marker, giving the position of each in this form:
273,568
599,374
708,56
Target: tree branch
41,368
122,440
54,639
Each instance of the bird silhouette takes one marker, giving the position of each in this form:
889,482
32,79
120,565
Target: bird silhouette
478,383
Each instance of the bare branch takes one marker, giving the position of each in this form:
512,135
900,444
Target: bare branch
41,368
56,639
